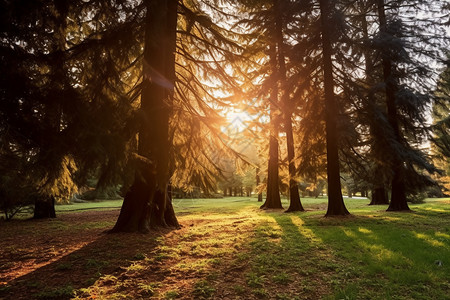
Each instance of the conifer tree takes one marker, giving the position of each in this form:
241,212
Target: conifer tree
36,99
441,129
281,8
407,92
336,204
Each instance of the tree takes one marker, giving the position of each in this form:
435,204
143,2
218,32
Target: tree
441,129
336,204
394,89
407,92
262,77
146,204
36,100
273,199
287,104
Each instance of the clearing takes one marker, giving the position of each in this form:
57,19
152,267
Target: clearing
230,249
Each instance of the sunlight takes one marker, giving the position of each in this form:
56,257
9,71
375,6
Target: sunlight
379,252
442,235
428,239
237,121
434,209
364,230
306,232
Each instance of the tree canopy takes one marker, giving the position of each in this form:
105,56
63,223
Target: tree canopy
138,93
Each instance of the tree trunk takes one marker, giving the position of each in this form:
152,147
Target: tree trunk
273,199
398,195
147,204
379,193
336,204
379,196
258,181
45,204
294,197
44,207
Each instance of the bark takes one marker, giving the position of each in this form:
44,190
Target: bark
147,204
44,207
273,199
336,204
294,197
398,193
258,181
379,196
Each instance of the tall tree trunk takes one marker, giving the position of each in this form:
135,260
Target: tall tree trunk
273,199
336,204
294,197
147,205
398,193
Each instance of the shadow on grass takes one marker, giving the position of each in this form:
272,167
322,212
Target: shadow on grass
185,263
369,255
110,257
404,253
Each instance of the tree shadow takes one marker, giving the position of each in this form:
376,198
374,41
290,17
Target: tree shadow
400,250
405,249
109,254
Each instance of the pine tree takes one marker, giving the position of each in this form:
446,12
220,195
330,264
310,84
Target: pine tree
36,99
441,129
336,204
406,91
287,104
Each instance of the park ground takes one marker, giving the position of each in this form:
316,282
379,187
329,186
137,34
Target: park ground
230,249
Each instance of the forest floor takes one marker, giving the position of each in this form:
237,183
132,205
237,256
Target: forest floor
230,249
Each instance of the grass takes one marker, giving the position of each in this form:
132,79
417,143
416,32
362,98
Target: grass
97,205
230,249
370,255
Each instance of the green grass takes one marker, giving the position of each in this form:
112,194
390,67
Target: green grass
107,204
372,254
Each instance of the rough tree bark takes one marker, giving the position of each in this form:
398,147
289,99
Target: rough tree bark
398,192
147,204
336,204
273,199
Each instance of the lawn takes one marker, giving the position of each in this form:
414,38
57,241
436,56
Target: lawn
230,249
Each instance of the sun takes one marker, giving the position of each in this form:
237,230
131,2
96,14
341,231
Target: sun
237,120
